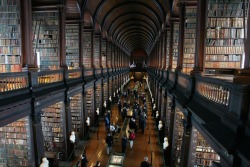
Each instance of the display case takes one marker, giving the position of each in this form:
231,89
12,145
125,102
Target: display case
76,113
116,160
225,34
72,45
10,37
201,154
175,45
87,49
45,27
53,128
177,137
15,144
189,39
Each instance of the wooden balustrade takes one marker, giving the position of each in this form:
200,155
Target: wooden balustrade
13,81
47,77
76,73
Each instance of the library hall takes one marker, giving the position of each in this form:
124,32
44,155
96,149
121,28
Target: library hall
124,83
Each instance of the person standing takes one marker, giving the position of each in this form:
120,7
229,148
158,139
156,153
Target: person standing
124,143
98,163
84,161
131,138
145,163
109,142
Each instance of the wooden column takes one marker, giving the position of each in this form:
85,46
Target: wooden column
81,44
244,74
181,35
171,44
68,127
62,38
200,36
38,137
186,141
28,58
165,49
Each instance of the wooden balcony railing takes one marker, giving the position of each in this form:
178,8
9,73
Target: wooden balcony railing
13,81
75,73
47,77
214,90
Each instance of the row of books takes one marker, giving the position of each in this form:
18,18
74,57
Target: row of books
51,134
230,57
10,35
10,21
48,16
10,68
9,2
223,5
225,22
10,59
13,135
225,13
11,50
13,15
224,50
11,42
225,33
9,28
224,42
210,155
232,65
5,8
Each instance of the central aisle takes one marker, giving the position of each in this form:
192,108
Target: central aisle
146,144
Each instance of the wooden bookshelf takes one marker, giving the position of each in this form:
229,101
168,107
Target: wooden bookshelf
225,34
97,51
15,144
177,136
76,113
98,95
189,39
45,39
167,48
109,54
105,91
168,112
175,45
53,128
201,154
89,104
163,45
87,49
72,45
10,36
104,53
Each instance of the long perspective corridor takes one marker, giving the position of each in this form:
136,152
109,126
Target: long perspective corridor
146,144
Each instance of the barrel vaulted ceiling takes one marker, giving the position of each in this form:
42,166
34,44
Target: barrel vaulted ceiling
129,24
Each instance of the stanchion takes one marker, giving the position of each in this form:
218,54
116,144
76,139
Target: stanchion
152,158
97,134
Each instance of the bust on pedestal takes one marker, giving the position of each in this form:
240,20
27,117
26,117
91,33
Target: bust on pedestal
160,131
72,137
165,146
45,162
87,126
97,116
